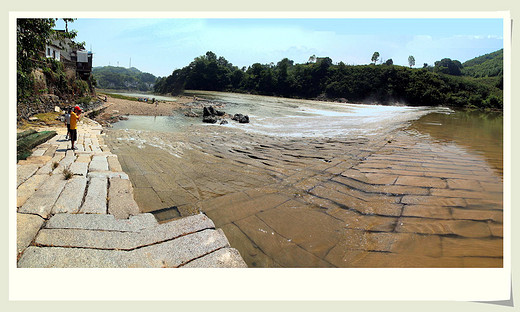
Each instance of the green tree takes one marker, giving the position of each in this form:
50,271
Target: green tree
411,61
375,57
448,66
389,62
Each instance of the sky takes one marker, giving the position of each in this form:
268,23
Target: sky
161,45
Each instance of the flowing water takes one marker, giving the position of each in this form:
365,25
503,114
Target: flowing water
320,184
289,117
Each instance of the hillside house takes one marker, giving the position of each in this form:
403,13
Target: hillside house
77,60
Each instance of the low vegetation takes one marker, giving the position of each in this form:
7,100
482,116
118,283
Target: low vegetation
67,174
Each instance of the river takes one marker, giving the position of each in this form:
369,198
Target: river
320,184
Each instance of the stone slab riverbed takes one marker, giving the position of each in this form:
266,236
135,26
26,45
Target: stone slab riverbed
397,199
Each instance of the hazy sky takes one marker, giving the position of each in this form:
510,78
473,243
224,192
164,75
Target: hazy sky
159,46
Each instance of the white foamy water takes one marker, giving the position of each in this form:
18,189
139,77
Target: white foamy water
289,117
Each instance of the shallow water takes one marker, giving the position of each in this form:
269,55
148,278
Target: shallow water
289,117
481,132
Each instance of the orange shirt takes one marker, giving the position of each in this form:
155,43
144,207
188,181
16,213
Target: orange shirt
73,120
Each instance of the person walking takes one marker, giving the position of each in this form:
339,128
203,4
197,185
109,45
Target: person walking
67,122
74,118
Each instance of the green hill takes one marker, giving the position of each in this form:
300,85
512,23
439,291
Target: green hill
488,65
121,78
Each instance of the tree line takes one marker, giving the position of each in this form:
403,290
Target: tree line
442,84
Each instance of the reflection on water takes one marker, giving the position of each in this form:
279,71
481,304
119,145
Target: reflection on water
481,132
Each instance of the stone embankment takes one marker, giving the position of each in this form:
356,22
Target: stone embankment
89,218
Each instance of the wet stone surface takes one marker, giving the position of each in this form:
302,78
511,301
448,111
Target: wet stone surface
392,201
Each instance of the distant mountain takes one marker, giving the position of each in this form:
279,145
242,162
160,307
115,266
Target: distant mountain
488,65
122,78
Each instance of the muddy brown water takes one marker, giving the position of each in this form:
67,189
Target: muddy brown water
352,187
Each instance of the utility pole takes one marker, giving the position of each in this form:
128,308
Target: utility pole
130,65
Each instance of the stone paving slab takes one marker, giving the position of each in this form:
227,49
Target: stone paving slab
222,258
96,198
83,158
39,152
123,240
47,168
64,164
173,253
79,168
113,164
98,163
27,226
107,175
121,203
25,172
101,222
40,160
29,187
180,251
42,201
71,197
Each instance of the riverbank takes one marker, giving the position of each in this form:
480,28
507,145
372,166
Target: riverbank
77,209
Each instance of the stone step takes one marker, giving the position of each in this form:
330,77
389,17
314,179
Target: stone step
103,239
42,201
96,198
71,197
121,203
101,222
172,253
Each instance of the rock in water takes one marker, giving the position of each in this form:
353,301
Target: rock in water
241,118
209,119
209,114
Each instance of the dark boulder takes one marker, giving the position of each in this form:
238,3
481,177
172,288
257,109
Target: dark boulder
209,119
241,118
211,111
